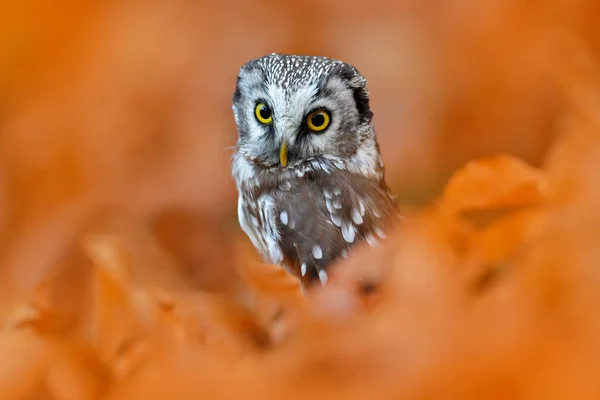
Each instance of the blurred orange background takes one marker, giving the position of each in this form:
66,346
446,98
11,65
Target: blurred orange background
115,117
121,110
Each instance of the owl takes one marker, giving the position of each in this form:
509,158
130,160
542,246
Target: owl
307,164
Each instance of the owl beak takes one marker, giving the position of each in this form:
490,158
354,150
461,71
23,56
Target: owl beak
283,153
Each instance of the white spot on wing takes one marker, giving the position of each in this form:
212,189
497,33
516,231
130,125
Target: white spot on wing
323,277
317,252
356,217
337,191
303,269
361,206
344,253
348,232
329,204
380,233
337,203
371,240
283,216
336,219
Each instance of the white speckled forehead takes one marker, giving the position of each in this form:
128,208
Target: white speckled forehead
291,72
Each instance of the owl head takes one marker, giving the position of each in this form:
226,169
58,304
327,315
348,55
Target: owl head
289,109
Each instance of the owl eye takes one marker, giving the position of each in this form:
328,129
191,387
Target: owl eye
263,113
317,121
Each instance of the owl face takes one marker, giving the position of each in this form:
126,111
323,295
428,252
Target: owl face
292,108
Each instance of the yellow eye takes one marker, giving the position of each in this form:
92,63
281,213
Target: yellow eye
263,113
317,121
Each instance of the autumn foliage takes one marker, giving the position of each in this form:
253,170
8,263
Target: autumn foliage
124,275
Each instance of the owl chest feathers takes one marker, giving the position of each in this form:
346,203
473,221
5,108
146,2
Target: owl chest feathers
307,218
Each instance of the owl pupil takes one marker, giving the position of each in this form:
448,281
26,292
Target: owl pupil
265,113
317,119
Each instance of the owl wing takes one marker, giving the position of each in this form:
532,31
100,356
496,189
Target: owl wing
257,220
360,208
249,228
321,219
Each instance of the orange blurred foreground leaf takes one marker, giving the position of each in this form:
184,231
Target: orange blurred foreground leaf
493,182
273,282
114,322
24,359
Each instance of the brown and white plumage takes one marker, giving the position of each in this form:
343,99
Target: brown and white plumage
307,196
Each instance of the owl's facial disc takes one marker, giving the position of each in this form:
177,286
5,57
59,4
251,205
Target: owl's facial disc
289,109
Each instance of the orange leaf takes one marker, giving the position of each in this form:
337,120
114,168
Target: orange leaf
269,282
493,182
114,320
502,237
75,372
273,282
24,358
